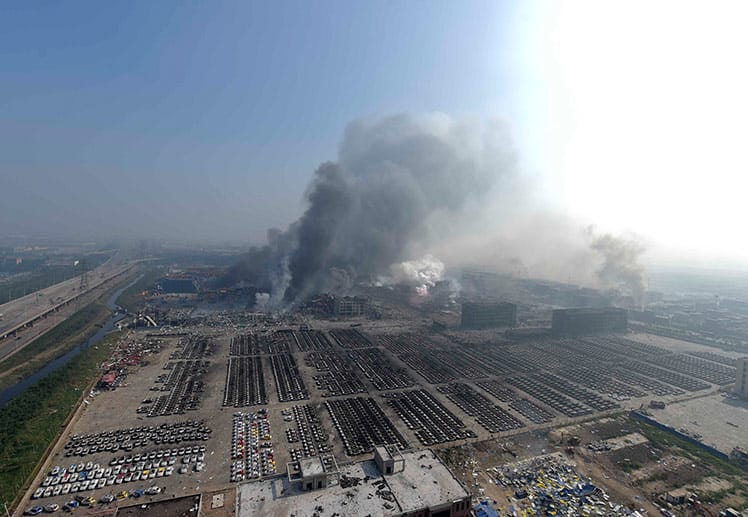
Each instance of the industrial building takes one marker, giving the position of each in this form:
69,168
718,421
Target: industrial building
475,281
392,483
741,379
314,473
575,322
479,315
349,306
389,459
177,285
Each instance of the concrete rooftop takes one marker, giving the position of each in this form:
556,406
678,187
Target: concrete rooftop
311,466
425,482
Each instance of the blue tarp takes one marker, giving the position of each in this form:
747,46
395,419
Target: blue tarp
484,509
585,489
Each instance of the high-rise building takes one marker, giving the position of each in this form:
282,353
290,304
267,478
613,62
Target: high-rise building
574,322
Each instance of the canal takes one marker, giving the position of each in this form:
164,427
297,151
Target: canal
13,391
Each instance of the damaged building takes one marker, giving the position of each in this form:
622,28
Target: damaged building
350,306
384,485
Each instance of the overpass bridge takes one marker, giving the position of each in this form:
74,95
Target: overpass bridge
24,312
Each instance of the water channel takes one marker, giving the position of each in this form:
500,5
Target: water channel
13,391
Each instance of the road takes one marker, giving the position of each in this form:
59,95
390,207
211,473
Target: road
22,313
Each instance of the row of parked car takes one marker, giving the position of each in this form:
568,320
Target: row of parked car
123,469
104,477
158,455
134,437
251,446
79,501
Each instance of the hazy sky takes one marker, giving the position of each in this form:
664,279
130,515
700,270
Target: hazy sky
205,120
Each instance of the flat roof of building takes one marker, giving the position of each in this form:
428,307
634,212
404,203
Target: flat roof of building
425,482
384,452
311,466
279,498
588,310
487,303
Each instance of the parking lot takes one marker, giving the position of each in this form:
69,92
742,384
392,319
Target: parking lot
245,382
253,401
334,373
489,415
428,418
361,424
109,420
717,420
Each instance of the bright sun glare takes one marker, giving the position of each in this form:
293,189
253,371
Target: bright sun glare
649,112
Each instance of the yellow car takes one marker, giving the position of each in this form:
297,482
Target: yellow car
123,495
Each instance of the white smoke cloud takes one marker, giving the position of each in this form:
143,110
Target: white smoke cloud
421,273
429,186
280,280
262,301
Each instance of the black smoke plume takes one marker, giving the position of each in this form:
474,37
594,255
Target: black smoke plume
374,206
620,263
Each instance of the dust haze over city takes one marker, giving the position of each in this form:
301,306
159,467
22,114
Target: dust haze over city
406,258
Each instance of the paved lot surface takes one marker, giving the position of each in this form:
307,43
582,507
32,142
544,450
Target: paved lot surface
721,421
115,410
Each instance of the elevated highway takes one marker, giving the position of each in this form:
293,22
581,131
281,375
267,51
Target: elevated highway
24,312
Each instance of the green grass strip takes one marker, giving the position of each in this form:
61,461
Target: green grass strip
53,344
33,420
